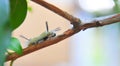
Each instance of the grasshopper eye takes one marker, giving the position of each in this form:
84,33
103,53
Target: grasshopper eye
54,34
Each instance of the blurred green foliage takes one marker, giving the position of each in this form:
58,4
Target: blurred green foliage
12,14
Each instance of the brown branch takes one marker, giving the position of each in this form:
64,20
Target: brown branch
53,8
66,34
104,21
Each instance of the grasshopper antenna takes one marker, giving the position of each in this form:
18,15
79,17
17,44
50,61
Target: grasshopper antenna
47,28
24,37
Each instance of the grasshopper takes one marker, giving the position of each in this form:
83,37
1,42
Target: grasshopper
43,36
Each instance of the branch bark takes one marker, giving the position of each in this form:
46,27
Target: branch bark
75,21
57,10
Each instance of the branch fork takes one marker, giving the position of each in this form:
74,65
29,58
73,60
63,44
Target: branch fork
77,27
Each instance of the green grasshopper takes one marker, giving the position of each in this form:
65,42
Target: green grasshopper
43,36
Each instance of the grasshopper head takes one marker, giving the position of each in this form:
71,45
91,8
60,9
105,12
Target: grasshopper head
53,32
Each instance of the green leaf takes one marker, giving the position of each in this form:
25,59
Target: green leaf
4,31
18,12
15,46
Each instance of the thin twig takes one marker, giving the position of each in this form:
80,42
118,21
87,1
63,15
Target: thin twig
105,21
60,12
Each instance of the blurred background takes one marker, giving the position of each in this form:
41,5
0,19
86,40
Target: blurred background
92,47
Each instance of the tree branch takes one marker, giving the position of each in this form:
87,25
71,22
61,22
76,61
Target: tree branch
105,21
57,10
73,20
66,34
